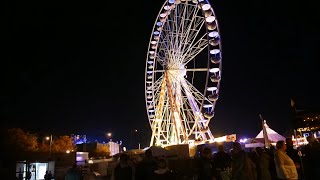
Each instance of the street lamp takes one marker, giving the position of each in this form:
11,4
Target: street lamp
109,135
137,131
49,138
133,134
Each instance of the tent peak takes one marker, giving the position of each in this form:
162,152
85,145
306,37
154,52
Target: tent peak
265,123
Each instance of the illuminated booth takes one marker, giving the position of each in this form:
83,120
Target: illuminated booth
35,170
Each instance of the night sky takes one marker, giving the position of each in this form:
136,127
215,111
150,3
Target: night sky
79,67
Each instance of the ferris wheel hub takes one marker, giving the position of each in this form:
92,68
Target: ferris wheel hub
177,72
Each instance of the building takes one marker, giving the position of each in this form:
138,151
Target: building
95,148
36,164
114,148
306,121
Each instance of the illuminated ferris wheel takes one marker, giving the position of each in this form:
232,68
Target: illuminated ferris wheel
183,72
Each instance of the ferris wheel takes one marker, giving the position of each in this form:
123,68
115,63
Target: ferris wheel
183,73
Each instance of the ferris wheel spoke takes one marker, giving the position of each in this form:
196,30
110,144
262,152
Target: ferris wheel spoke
184,21
197,69
189,26
195,108
175,36
164,45
197,94
192,32
180,31
168,36
158,81
189,69
157,89
195,50
187,113
160,57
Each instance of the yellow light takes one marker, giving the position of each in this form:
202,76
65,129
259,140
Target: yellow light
47,138
67,151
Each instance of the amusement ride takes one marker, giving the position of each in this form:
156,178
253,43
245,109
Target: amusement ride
183,73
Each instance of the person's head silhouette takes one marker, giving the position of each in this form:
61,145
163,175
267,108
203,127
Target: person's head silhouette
148,153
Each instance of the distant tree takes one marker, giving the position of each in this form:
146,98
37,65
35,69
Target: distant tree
101,151
19,140
62,144
102,148
44,146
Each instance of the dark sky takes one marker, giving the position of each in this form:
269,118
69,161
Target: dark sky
79,67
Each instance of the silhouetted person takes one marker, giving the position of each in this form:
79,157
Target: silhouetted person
272,165
263,164
46,176
163,172
20,176
123,171
255,156
146,167
205,165
50,176
73,173
28,175
312,158
221,161
293,154
242,166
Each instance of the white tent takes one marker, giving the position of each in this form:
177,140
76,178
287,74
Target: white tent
254,145
272,135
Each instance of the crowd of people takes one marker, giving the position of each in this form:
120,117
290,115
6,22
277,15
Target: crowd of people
280,162
274,163
149,168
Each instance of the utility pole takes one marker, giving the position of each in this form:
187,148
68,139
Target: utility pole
265,134
50,149
133,138
50,145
